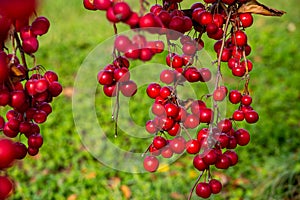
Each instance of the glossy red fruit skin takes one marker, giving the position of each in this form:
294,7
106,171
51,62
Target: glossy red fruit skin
105,77
89,4
203,190
128,88
210,157
7,153
233,157
193,146
40,26
153,90
205,74
246,100
159,142
122,10
151,163
30,45
110,90
238,115
235,96
199,163
20,150
239,38
251,117
102,4
6,187
246,19
178,145
215,186
242,136
222,162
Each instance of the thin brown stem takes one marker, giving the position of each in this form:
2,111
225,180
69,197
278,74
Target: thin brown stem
115,115
193,188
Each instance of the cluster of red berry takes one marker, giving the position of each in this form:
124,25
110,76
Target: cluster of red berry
116,77
26,92
174,117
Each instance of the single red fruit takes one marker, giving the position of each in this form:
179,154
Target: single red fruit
151,163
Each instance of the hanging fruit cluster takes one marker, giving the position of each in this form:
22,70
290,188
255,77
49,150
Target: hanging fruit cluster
26,88
218,134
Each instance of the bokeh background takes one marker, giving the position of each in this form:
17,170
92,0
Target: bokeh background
269,166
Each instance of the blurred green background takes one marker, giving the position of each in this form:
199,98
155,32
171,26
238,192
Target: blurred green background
269,166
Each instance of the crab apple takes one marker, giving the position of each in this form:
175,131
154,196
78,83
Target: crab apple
6,187
199,163
235,96
32,151
246,19
165,92
50,76
191,121
89,4
122,74
196,106
171,110
20,150
4,97
110,15
122,42
159,142
151,163
150,127
251,116
110,90
178,144
166,152
206,115
246,100
122,10
248,65
219,94
30,45
102,4
7,153
153,90
203,190
210,157
233,157
40,26
239,71
239,38
175,130
224,125
105,77
238,115
242,136
167,76
148,20
193,146
205,74
192,74
55,88
223,162
215,186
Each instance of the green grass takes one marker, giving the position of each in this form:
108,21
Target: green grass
268,168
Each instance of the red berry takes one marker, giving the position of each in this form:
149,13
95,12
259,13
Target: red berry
242,136
193,146
153,90
7,153
203,190
151,163
235,96
215,186
251,116
6,187
199,163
